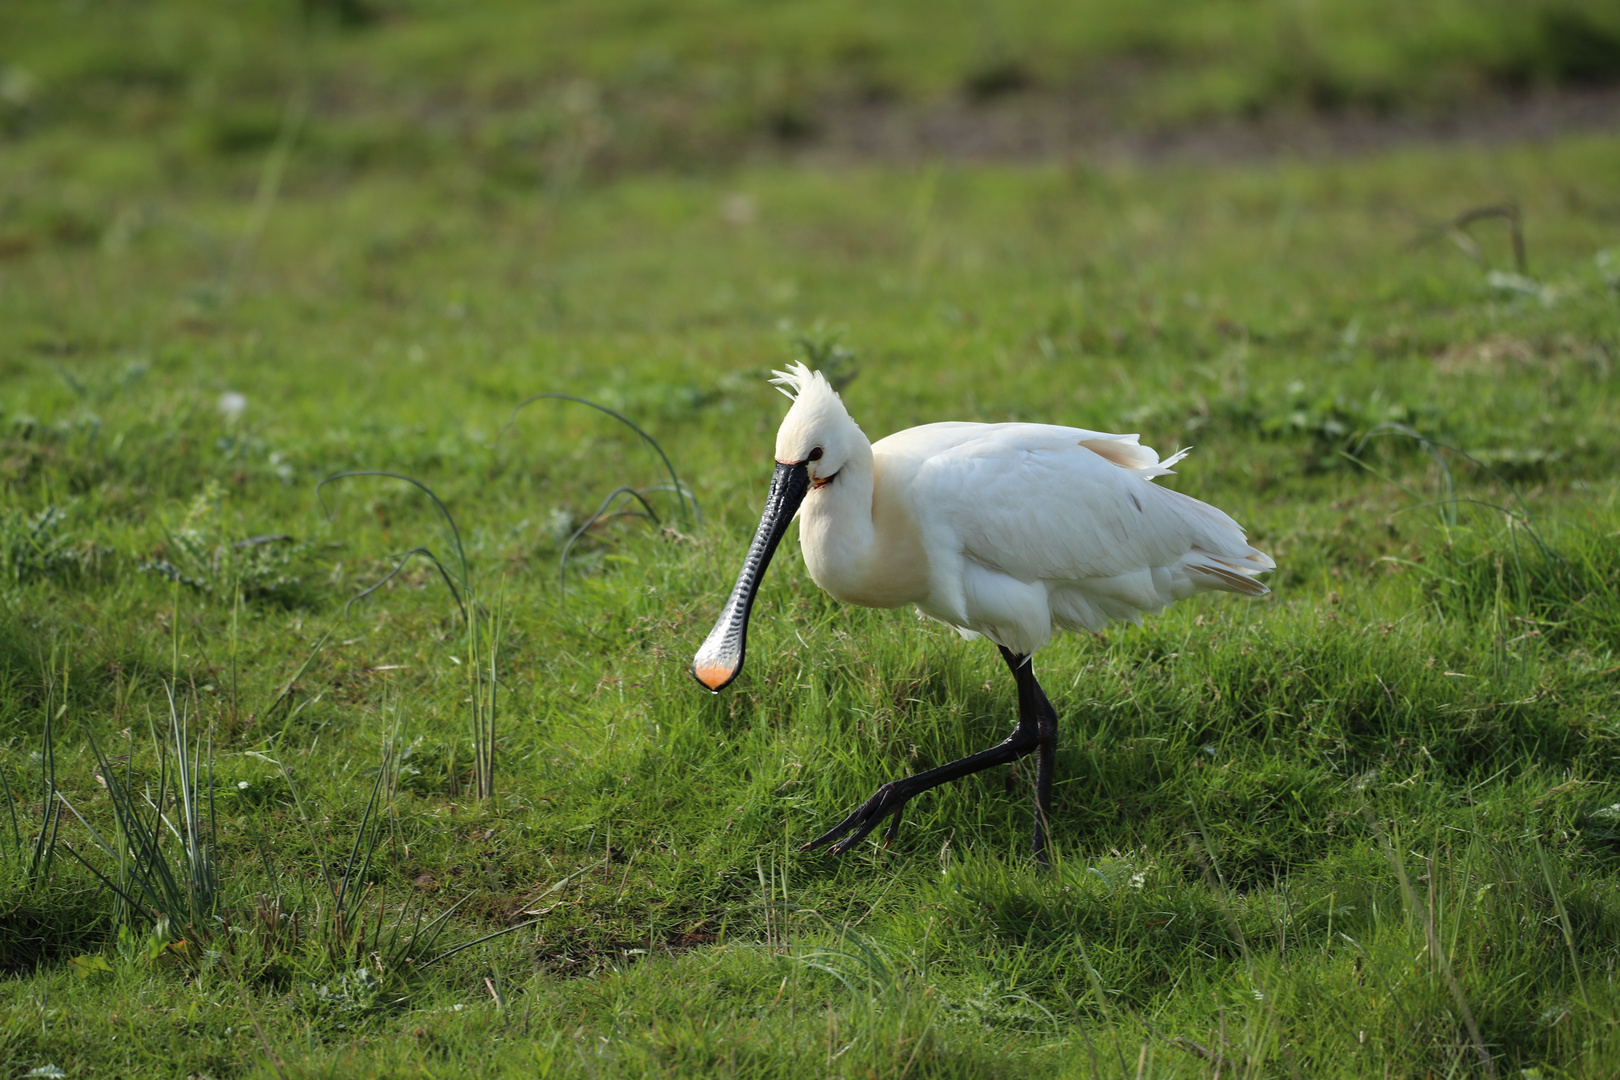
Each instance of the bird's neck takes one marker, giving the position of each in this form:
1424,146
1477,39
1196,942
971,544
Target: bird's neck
858,539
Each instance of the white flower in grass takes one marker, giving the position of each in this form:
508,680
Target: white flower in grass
232,404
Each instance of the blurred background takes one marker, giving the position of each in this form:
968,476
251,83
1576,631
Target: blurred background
525,94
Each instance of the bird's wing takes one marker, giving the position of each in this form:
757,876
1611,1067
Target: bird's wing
1058,504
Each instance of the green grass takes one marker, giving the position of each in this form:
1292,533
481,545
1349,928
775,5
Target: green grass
1365,827
542,94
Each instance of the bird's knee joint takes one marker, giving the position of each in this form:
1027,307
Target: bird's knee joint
1023,741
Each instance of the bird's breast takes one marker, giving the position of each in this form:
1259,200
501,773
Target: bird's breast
866,551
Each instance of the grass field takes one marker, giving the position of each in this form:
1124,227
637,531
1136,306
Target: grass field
165,90
1367,826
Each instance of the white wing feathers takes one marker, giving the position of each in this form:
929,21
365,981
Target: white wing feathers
1127,453
1074,511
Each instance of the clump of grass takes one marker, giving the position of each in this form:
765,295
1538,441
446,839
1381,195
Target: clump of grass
41,545
685,502
47,913
345,929
483,677
356,934
34,858
199,554
181,889
823,349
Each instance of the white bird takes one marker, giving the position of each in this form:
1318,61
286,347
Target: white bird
1005,531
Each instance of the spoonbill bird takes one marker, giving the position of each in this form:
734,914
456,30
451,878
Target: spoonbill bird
1004,531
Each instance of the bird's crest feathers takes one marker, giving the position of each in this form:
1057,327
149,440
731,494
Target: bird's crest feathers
798,381
817,418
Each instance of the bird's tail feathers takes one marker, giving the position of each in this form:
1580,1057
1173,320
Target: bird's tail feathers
1228,573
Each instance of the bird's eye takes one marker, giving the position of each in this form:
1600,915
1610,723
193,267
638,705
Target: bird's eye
815,455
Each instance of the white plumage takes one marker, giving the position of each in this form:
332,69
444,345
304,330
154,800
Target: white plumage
1009,531
1024,529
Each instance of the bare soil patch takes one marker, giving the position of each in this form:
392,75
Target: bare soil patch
1040,126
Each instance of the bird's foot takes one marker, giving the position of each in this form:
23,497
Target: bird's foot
889,801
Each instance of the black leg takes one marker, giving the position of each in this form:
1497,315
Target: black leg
1045,761
1036,732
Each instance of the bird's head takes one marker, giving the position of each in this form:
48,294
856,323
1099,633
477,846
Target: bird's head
816,440
817,431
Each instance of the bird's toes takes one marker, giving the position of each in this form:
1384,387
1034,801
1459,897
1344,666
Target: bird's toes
834,833
894,825
826,837
882,805
857,832
863,820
